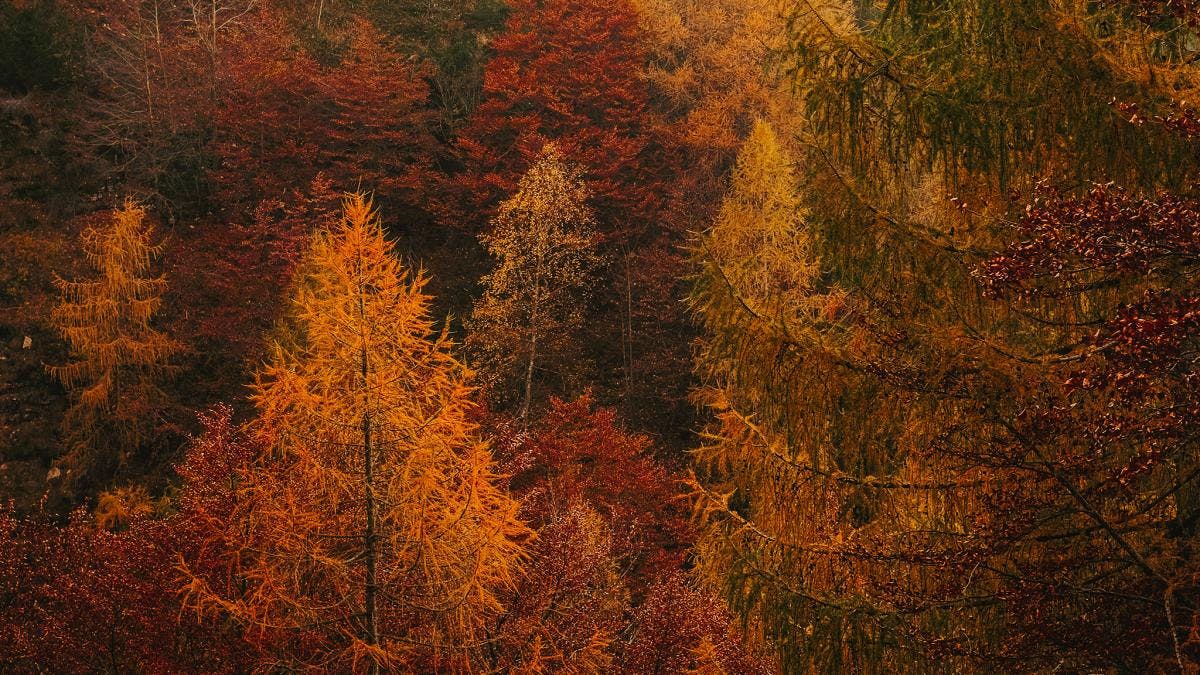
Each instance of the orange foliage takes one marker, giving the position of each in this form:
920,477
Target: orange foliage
371,533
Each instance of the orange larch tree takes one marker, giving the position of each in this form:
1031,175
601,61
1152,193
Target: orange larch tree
371,535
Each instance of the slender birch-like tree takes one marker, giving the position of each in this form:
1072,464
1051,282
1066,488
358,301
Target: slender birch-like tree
532,304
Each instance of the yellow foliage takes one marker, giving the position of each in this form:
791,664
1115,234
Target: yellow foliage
115,509
770,496
712,66
542,240
759,240
106,321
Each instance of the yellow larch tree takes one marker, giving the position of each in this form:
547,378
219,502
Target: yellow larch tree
372,533
119,355
759,249
774,495
542,238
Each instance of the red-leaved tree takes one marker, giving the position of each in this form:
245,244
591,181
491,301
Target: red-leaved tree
78,597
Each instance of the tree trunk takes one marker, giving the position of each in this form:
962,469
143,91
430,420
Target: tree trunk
533,340
535,320
627,329
370,629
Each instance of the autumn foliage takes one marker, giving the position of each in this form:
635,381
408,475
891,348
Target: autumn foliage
564,71
371,531
120,355
647,336
936,435
604,587
284,117
542,240
87,596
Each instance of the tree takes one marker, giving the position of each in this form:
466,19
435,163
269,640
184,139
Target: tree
542,239
380,136
286,115
271,119
757,295
758,251
226,310
904,474
578,453
709,73
682,629
571,72
371,534
603,587
570,602
106,322
148,90
1108,439
712,72
76,596
564,71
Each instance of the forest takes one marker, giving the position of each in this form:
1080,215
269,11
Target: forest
591,336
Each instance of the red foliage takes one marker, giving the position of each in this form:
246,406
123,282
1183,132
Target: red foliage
621,580
209,472
570,594
563,71
75,598
1181,120
1109,433
78,599
1143,360
284,117
269,126
379,138
286,121
1073,244
578,454
678,629
231,278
